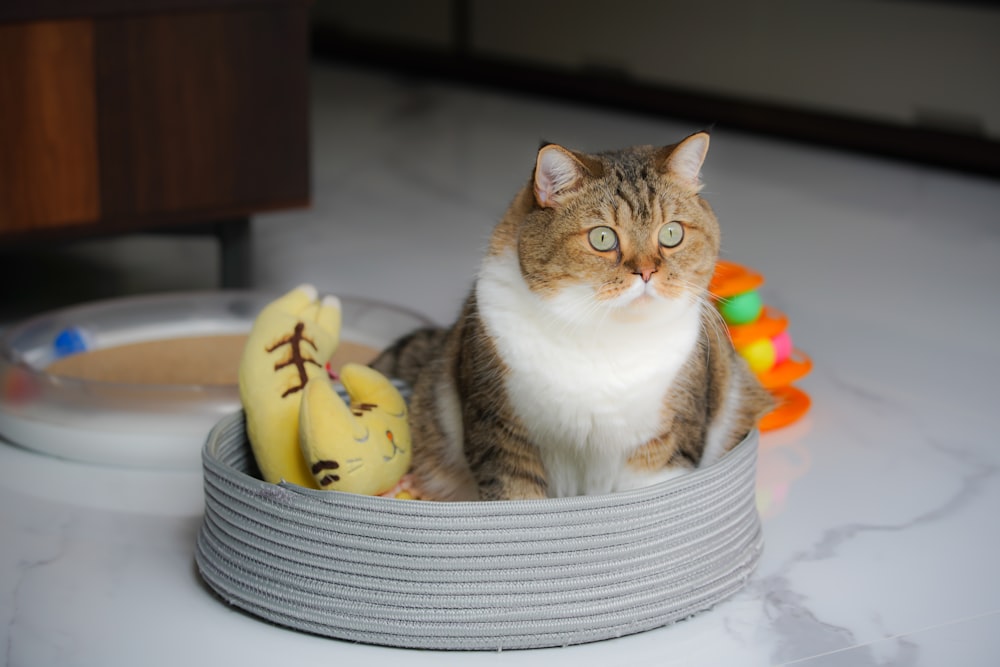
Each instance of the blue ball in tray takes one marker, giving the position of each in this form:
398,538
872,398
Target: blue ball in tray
70,340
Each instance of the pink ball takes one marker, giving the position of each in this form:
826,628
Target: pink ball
782,347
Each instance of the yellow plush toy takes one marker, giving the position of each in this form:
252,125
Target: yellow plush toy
299,428
361,448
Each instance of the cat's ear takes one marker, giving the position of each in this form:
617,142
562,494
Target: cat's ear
558,173
683,162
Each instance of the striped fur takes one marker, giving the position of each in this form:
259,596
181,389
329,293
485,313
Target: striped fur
574,369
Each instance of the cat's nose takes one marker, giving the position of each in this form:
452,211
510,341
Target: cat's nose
645,272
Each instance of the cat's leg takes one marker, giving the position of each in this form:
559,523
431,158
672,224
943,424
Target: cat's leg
407,357
504,462
736,402
439,468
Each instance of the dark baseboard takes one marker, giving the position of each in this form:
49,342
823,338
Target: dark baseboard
929,146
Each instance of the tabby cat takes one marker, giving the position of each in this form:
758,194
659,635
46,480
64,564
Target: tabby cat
587,358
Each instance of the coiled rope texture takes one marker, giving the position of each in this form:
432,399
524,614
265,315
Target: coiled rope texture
475,576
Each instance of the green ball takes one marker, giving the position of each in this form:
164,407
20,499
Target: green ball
742,308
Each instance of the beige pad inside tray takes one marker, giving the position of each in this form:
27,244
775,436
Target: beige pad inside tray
196,360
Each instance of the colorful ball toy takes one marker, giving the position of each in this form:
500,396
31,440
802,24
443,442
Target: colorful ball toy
760,336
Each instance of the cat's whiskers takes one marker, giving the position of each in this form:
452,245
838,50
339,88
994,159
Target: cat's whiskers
604,313
604,308
713,324
710,294
716,324
694,289
582,311
716,321
575,310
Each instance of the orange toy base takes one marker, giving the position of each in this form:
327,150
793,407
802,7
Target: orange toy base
792,404
731,279
770,323
787,372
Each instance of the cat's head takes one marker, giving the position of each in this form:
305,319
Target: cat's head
624,230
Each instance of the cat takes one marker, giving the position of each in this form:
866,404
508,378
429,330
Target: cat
588,358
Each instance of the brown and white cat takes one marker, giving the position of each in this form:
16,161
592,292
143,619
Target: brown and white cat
587,358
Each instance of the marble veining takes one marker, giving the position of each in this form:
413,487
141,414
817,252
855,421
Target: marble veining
881,541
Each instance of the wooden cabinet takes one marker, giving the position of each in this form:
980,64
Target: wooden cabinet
122,116
48,127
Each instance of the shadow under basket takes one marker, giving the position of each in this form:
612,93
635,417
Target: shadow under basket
475,575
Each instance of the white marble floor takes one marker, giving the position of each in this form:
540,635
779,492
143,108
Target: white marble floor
880,508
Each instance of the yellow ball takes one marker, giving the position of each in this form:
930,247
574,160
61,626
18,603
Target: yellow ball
760,355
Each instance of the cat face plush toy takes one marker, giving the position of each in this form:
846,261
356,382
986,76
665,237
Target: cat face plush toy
587,358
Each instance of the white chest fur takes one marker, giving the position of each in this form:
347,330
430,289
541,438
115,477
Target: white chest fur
589,389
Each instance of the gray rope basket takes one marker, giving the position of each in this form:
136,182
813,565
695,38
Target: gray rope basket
475,575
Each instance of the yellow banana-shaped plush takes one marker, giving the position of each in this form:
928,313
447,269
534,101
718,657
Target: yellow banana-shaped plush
289,344
361,448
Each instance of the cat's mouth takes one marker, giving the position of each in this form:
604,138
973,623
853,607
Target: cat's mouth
635,302
642,300
640,294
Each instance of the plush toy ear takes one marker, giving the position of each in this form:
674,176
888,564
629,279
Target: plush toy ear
557,174
683,161
367,385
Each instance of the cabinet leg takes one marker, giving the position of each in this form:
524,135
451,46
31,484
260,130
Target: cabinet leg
235,253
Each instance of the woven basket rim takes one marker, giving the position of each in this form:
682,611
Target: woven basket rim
746,449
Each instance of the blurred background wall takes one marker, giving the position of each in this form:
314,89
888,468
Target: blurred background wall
917,79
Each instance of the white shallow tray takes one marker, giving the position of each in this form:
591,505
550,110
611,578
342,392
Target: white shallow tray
142,425
475,575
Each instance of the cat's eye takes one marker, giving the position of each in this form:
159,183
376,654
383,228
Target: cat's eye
603,238
671,234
